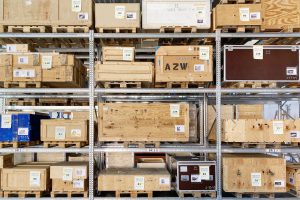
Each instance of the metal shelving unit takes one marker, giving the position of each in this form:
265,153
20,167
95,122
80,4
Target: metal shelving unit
207,95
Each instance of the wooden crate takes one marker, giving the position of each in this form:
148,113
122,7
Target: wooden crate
77,171
27,74
150,163
6,160
295,132
293,178
26,59
244,173
118,54
119,160
51,157
141,122
134,179
49,60
183,64
6,60
17,48
7,73
250,111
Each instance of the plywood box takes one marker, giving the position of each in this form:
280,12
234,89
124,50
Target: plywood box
193,13
156,122
78,158
235,15
49,60
69,186
119,160
27,74
26,178
51,157
21,158
6,60
134,179
64,130
17,48
184,63
118,53
124,71
151,163
250,111
6,160
243,173
26,59
117,15
68,171
293,176
7,72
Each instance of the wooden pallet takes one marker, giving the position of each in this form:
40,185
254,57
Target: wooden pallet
23,194
70,29
251,85
148,144
180,85
240,29
196,194
116,30
18,144
262,145
115,84
69,194
133,194
178,29
64,144
239,1
255,195
293,190
21,102
29,84
26,29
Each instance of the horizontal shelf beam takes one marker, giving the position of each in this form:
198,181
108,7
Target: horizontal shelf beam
44,35
153,35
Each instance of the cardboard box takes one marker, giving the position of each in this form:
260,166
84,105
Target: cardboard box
134,179
119,160
243,173
117,15
27,74
64,130
69,171
26,59
157,122
17,48
51,157
124,71
26,178
158,13
6,160
69,186
118,53
184,64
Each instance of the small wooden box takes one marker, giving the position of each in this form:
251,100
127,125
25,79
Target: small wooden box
250,111
17,48
119,160
6,160
27,74
26,59
118,54
79,185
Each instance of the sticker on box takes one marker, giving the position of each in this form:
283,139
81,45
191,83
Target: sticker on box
204,172
291,71
80,172
198,68
77,184
179,128
35,178
10,48
23,60
83,16
23,131
46,62
120,12
244,14
131,15
291,180
278,127
67,174
60,133
183,169
164,181
185,178
28,2
5,121
258,52
76,5
195,178
279,183
75,133
128,54
20,73
255,16
256,179
175,110
204,53
139,183
295,134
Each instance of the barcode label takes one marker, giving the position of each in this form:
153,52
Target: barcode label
23,60
22,131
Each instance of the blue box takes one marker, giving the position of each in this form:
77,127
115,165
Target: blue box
9,134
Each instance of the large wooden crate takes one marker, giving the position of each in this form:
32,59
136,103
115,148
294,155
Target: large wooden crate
134,179
243,173
159,122
184,64
124,71
118,54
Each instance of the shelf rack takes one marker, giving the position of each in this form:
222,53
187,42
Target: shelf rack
216,95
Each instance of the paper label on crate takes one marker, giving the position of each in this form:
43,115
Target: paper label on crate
77,184
175,110
204,53
83,16
291,180
256,179
23,60
179,128
195,178
35,178
10,48
258,52
198,68
80,172
120,12
244,14
278,127
184,178
28,2
131,15
75,133
46,62
279,183
76,5
164,181
295,134
127,54
67,174
183,169
5,121
23,131
204,172
291,71
22,73
139,183
60,133
255,16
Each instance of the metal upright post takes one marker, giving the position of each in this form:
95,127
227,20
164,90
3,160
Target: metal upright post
218,113
91,110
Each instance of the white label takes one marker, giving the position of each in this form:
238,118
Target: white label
198,68
5,121
120,12
291,71
23,60
127,54
76,5
204,53
164,181
175,110
78,184
258,52
10,48
60,133
291,180
295,134
23,131
195,178
35,178
279,183
67,174
46,62
183,168
83,16
273,150
204,172
179,128
244,14
21,73
80,172
255,16
278,127
139,183
75,133
256,179
131,15
28,2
